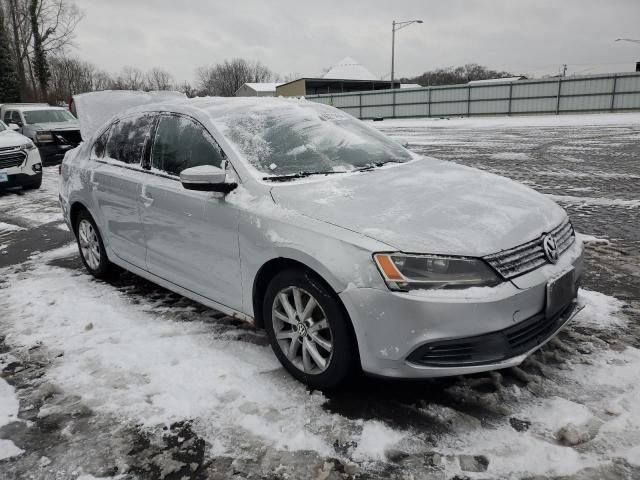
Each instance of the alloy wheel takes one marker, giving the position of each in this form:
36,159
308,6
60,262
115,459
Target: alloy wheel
302,330
89,244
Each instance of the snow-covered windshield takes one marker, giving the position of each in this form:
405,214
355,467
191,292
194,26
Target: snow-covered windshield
47,116
280,137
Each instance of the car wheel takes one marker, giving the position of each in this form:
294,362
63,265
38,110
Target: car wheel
308,330
33,186
92,251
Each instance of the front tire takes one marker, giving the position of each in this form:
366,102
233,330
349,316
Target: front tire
309,330
91,246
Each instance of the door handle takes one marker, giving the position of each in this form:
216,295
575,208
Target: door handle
147,200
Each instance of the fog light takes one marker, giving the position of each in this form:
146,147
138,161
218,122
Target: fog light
37,167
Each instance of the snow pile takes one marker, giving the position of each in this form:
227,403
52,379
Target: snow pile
93,109
8,413
601,311
131,360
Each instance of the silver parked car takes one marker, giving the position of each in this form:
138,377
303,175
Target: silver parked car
351,251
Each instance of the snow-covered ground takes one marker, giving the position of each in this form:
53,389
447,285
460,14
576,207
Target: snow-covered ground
124,378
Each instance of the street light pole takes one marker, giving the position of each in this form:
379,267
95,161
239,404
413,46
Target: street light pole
395,26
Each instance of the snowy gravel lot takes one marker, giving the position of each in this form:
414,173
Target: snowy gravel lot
127,380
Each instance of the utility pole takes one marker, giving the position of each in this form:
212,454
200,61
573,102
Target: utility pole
395,26
564,70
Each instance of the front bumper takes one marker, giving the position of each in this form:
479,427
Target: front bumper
52,154
20,180
394,329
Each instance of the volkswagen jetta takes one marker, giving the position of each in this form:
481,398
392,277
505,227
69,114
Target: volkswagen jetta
351,251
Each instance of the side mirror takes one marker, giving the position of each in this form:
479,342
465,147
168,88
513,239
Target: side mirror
14,126
206,178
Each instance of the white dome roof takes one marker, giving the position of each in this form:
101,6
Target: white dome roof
349,69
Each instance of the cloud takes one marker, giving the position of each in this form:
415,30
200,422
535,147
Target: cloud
305,37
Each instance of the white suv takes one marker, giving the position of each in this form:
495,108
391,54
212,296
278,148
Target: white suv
20,164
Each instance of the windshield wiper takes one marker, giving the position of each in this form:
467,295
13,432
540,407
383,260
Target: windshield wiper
371,166
292,176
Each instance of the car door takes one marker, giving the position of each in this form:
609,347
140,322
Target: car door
117,185
192,236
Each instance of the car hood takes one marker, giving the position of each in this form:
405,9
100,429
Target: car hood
56,126
427,206
9,138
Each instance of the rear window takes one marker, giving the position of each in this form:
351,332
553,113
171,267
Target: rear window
128,138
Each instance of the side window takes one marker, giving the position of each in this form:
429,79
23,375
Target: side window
181,143
100,144
128,138
7,117
15,117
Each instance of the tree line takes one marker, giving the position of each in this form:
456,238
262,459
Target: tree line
36,37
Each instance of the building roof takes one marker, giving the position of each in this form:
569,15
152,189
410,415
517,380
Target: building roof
496,80
410,85
349,69
263,86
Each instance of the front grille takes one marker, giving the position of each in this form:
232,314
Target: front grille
67,137
529,256
492,347
10,159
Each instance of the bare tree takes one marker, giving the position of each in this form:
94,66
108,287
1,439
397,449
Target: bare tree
158,79
456,75
36,29
131,78
70,76
223,79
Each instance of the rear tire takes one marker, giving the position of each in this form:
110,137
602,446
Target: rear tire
91,247
308,330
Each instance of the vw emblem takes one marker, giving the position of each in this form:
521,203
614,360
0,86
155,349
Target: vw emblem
550,248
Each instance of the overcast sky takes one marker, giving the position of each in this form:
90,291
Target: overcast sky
521,36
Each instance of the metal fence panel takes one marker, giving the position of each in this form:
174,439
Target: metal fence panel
487,108
412,96
342,101
449,94
377,99
626,101
595,93
592,102
538,89
581,87
628,84
497,92
414,110
533,105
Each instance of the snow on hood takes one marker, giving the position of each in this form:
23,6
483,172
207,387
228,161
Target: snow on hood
427,206
94,109
9,138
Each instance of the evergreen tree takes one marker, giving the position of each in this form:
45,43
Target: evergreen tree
9,85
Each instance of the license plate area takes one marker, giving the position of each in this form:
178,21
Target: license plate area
4,177
560,292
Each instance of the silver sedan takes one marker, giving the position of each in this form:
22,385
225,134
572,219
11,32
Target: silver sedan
352,252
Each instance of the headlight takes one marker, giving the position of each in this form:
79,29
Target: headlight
404,272
44,137
27,146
